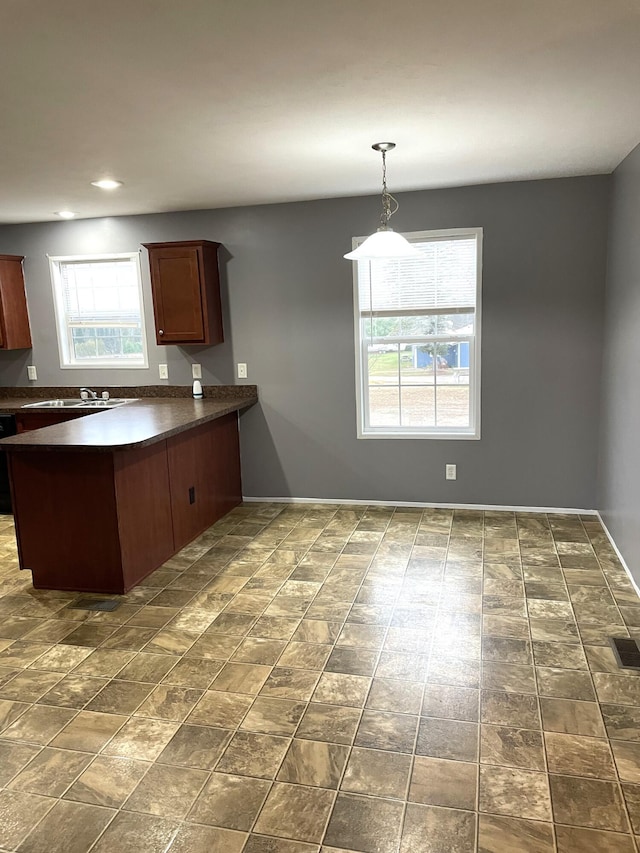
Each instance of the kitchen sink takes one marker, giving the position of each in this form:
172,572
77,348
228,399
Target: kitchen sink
52,404
112,403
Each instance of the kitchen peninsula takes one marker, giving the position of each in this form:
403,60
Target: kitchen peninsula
102,500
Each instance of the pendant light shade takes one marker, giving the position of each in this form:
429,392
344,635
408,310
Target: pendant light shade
385,243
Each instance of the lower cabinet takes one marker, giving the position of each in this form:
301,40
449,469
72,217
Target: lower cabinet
102,521
197,458
26,421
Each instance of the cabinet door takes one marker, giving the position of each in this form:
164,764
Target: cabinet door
14,318
204,476
177,294
26,421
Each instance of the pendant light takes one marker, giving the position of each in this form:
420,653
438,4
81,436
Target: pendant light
385,243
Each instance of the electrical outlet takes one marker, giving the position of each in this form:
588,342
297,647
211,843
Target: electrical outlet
242,370
163,370
450,472
196,371
32,373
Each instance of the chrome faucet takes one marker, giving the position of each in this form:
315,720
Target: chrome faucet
90,394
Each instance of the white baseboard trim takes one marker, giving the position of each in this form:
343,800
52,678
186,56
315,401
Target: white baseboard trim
618,553
425,505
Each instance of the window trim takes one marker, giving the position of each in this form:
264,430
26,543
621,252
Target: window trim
473,433
60,314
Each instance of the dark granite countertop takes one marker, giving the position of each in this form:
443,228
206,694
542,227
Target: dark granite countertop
135,424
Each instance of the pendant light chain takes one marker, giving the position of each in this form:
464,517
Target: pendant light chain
385,242
389,203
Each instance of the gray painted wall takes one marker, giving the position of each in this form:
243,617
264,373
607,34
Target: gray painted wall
288,298
619,487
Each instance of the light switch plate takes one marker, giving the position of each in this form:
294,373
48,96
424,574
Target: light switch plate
163,370
196,371
32,373
242,370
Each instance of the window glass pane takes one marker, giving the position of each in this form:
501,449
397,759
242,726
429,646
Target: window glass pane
366,328
453,404
123,344
84,344
404,326
455,324
452,381
384,406
418,325
383,364
417,377
418,405
416,364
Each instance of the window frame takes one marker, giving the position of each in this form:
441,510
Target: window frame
62,326
471,433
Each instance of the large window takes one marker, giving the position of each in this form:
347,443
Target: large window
99,312
418,339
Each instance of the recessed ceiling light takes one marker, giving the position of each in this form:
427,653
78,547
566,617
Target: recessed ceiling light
65,214
107,184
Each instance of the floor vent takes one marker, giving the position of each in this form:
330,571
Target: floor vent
103,604
626,652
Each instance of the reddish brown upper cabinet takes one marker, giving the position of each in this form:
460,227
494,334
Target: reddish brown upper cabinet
186,292
14,319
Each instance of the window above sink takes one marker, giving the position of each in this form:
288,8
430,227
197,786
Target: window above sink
99,311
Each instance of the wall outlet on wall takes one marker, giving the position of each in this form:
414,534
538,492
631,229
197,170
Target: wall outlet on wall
450,472
242,370
196,371
163,370
32,373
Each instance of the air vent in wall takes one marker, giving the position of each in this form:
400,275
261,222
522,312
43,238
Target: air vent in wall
626,651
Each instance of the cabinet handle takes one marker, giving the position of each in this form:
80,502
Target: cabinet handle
161,331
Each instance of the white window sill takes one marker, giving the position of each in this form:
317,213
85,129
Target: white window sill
443,436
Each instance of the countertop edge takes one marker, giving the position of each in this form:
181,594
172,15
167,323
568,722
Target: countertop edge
20,443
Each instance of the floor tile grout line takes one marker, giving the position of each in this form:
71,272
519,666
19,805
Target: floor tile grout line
154,686
361,710
480,676
235,730
588,670
308,702
60,798
426,671
582,644
591,678
538,699
597,698
412,760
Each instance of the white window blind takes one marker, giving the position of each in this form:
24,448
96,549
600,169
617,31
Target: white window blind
99,292
443,277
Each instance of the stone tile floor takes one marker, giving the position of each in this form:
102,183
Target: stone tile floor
327,678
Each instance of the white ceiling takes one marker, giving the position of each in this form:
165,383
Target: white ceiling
213,103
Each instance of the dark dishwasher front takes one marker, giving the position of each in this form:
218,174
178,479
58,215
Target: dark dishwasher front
7,427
